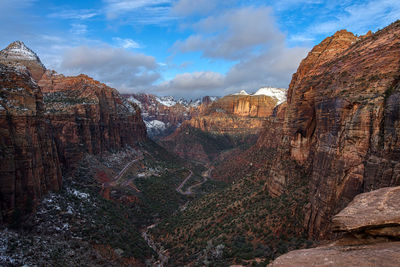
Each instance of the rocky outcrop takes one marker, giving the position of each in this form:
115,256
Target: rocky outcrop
18,54
341,123
88,117
371,222
257,106
29,166
47,129
376,213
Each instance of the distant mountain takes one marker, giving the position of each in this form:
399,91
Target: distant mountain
277,93
232,121
163,115
19,55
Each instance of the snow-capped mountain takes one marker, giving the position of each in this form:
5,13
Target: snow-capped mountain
19,51
18,55
163,115
277,93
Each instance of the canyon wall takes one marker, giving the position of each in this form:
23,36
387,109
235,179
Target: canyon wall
227,123
342,122
87,116
48,122
29,165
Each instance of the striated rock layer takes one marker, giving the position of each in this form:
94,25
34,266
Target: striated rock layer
52,126
29,165
88,117
18,54
229,122
341,123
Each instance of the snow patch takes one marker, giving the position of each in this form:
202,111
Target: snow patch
134,100
155,125
278,93
168,101
18,50
243,92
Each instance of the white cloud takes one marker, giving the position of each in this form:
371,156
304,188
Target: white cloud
360,17
126,43
202,7
138,11
233,35
81,14
122,69
191,84
78,29
247,36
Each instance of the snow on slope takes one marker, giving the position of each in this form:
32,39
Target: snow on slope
277,93
243,92
168,101
155,127
18,51
134,100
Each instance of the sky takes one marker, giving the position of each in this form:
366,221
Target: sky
184,48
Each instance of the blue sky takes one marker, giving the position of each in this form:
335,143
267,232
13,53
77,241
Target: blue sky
185,48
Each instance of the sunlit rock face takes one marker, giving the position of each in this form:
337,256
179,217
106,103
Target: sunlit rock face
88,117
341,123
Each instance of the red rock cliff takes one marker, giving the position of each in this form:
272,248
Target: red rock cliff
342,122
88,117
29,165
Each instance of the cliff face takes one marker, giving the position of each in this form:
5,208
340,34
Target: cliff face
258,106
48,122
229,122
88,117
29,165
341,123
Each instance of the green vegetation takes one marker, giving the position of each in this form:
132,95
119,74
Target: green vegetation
242,220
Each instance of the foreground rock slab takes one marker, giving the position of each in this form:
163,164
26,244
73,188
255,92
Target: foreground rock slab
381,254
371,223
379,208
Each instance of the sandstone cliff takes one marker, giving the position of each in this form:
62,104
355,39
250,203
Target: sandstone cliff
47,129
17,53
29,166
88,117
229,122
341,123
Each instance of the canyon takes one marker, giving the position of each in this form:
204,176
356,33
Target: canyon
236,180
50,122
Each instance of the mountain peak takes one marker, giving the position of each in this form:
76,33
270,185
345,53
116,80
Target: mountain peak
19,51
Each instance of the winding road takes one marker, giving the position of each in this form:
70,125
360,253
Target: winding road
189,191
116,179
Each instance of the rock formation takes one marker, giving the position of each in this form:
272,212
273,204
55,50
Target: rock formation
53,125
29,166
17,53
372,224
341,123
163,115
88,117
224,124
